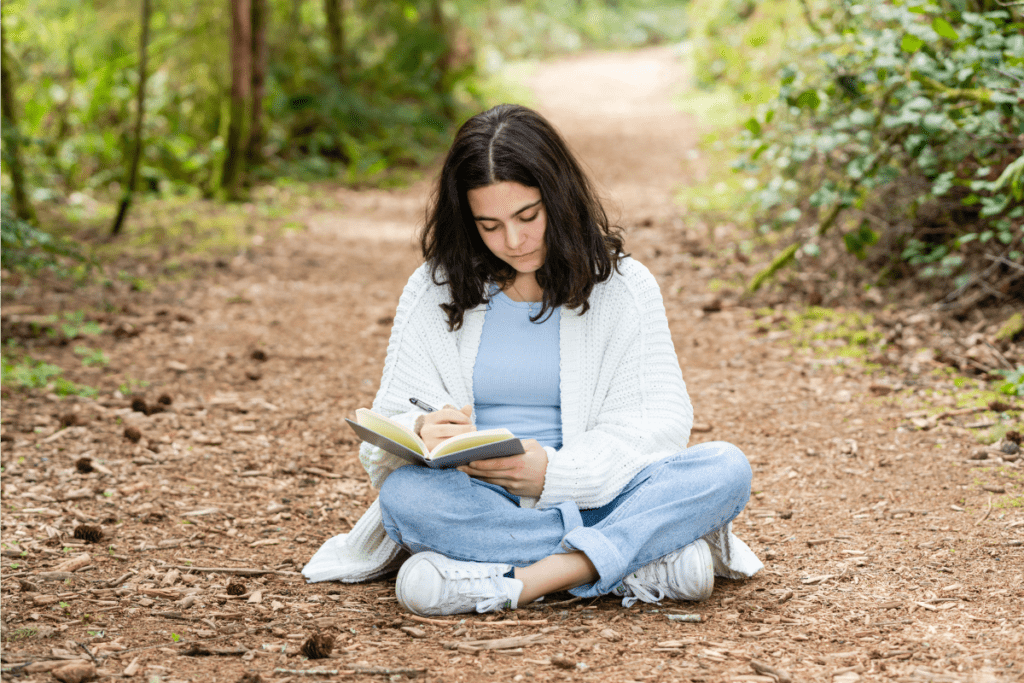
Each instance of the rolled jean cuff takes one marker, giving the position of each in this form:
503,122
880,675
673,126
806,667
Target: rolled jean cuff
602,553
571,518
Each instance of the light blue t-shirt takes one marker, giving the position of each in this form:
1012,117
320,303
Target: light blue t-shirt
516,376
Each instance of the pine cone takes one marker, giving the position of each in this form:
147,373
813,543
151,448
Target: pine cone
318,646
89,534
1014,436
84,465
132,434
259,355
139,405
68,420
236,588
250,677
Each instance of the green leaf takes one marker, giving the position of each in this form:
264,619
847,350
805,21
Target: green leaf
942,27
911,43
753,126
808,99
858,240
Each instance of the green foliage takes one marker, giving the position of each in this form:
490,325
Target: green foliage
539,28
76,67
27,249
91,357
1013,384
21,633
131,386
1013,327
737,46
829,332
899,123
72,324
27,373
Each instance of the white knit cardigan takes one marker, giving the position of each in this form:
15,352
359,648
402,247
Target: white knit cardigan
623,400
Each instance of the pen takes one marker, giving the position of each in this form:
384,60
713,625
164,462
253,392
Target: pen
420,404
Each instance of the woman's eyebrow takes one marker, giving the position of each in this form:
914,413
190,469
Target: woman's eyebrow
525,208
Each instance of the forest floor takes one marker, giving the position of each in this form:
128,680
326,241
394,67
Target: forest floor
892,550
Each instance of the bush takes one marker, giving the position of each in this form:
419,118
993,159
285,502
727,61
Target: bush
27,249
901,128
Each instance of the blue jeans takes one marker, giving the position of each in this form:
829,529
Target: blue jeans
668,505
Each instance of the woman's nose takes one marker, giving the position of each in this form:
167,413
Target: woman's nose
513,237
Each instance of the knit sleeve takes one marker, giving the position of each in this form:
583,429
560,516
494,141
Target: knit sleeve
410,370
640,411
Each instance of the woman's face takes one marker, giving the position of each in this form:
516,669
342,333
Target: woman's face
511,220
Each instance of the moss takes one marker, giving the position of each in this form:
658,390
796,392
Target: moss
1012,328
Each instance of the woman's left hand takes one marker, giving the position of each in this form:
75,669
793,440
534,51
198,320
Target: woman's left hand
520,475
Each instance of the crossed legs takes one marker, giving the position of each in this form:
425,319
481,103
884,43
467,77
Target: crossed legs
667,506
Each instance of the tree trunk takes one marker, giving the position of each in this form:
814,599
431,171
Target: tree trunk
241,79
11,137
444,58
260,18
335,13
140,114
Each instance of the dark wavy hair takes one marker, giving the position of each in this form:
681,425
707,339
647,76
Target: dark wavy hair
511,143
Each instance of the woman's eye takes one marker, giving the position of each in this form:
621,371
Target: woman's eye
488,228
532,218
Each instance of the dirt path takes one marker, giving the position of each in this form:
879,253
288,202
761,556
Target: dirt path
884,559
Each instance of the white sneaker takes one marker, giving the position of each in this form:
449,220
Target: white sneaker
430,584
686,574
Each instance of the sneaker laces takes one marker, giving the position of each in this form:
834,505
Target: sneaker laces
634,588
481,585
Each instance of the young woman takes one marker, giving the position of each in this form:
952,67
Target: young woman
528,315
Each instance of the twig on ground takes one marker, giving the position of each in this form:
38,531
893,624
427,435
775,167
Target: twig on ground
999,355
88,652
114,583
987,512
499,643
564,602
762,668
322,473
368,670
236,571
520,622
691,618
1005,261
435,622
15,668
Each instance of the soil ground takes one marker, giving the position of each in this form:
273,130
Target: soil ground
890,554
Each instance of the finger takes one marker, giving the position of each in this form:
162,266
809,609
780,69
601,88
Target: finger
510,462
446,416
446,431
453,415
467,410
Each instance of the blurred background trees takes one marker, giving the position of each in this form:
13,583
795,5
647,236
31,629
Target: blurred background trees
885,136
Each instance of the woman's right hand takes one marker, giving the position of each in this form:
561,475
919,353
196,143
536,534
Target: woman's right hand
446,423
